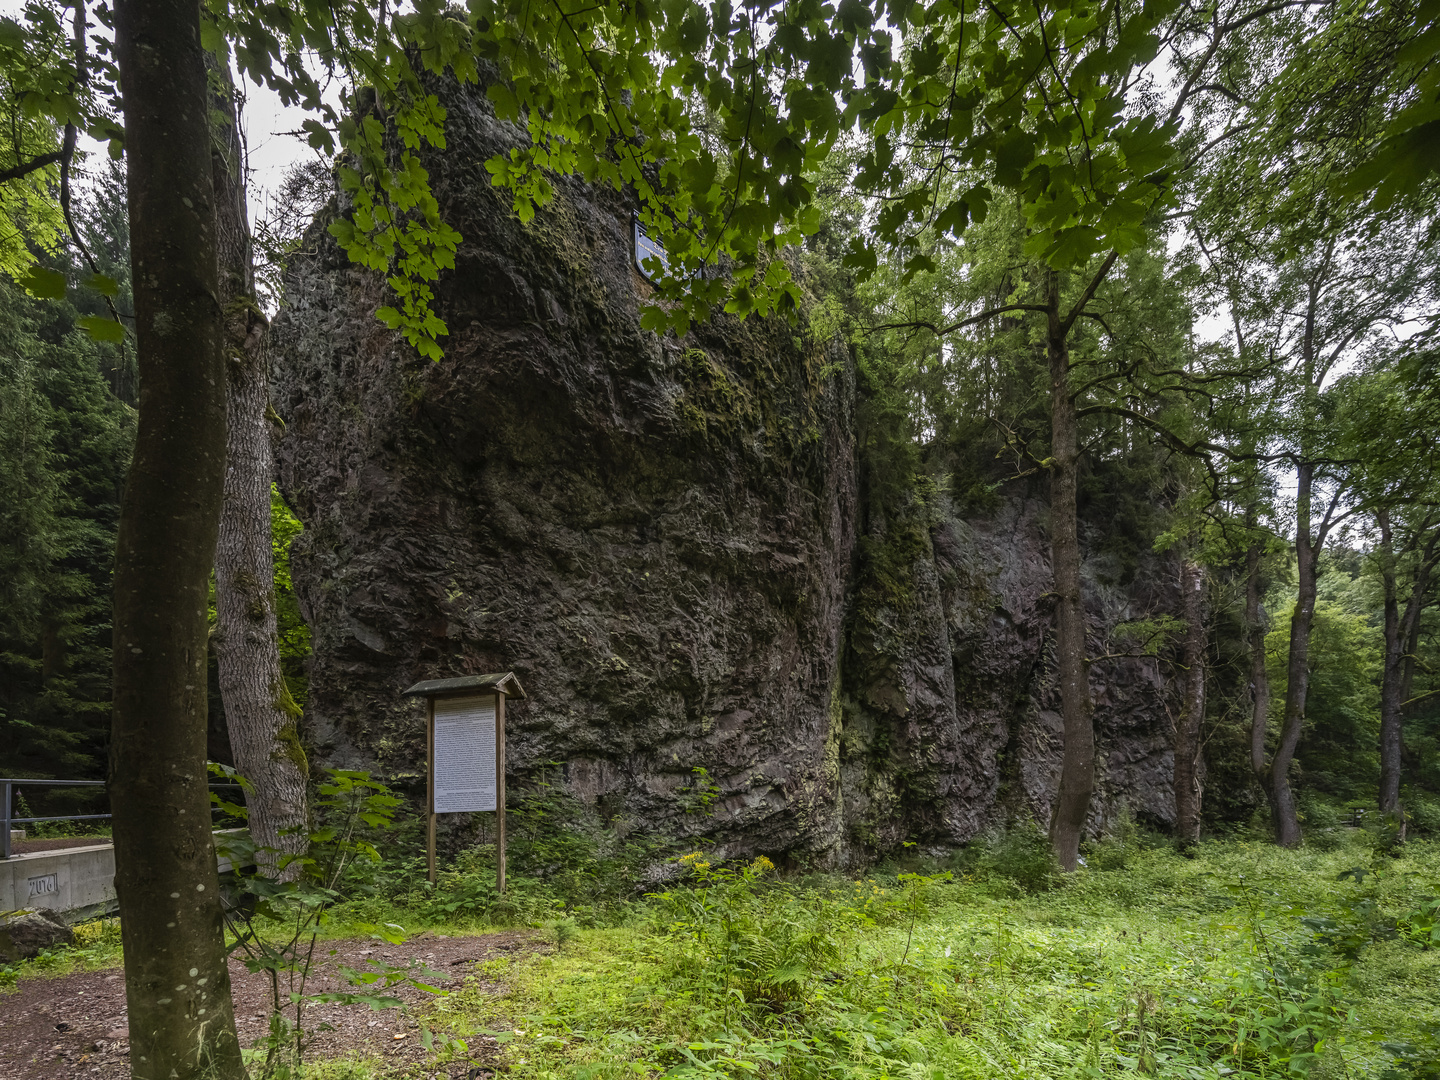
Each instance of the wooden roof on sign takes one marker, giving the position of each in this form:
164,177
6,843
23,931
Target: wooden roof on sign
503,682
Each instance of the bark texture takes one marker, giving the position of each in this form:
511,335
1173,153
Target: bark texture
262,719
1189,768
1077,769
1401,629
176,981
1283,811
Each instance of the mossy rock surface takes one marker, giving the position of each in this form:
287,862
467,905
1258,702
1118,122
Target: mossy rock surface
667,541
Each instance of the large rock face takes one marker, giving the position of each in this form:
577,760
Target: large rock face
955,715
658,537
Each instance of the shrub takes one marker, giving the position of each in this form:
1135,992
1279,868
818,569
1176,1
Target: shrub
1120,843
1019,853
1422,813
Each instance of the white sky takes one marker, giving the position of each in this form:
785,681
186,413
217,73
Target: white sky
265,123
264,120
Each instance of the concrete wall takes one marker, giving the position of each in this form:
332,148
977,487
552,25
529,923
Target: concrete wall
79,883
72,881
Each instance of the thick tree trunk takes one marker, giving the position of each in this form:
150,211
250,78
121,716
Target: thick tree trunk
1391,673
177,984
1192,711
1077,768
1283,811
259,712
1259,673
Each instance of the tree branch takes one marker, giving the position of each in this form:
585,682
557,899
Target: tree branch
925,324
35,164
1089,293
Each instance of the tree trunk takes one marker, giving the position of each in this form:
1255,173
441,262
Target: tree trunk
177,984
54,658
1192,711
261,716
1391,673
1297,669
1259,673
1077,769
1402,639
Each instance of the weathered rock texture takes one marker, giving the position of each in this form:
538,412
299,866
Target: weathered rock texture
955,718
659,538
24,934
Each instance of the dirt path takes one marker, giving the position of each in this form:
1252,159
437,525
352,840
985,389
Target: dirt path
75,1025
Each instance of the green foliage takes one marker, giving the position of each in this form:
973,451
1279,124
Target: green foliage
1121,843
757,944
698,796
1244,961
64,446
717,119
96,948
293,631
562,865
1423,812
1392,48
1339,748
276,922
30,220
1018,855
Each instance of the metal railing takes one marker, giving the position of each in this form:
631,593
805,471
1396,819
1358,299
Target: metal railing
7,791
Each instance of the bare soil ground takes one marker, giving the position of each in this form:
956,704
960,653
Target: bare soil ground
75,1025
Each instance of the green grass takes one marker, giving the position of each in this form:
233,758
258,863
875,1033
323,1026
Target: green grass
1171,967
1244,961
97,946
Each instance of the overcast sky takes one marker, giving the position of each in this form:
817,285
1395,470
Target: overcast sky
263,120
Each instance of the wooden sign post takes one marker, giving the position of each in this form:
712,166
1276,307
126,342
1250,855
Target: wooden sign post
465,753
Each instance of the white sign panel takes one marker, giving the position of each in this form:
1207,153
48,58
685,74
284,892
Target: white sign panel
464,754
646,248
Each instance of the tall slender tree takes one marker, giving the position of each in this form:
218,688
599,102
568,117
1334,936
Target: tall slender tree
1194,640
260,715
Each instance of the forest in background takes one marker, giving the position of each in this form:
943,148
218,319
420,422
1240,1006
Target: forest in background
1262,349
1016,213
67,425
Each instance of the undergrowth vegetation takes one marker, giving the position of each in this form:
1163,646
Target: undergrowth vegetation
1244,960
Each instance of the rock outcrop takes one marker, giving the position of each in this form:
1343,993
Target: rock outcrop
659,537
954,716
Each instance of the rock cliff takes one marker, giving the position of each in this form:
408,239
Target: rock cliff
659,538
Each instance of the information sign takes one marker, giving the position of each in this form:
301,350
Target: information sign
465,780
465,753
646,248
